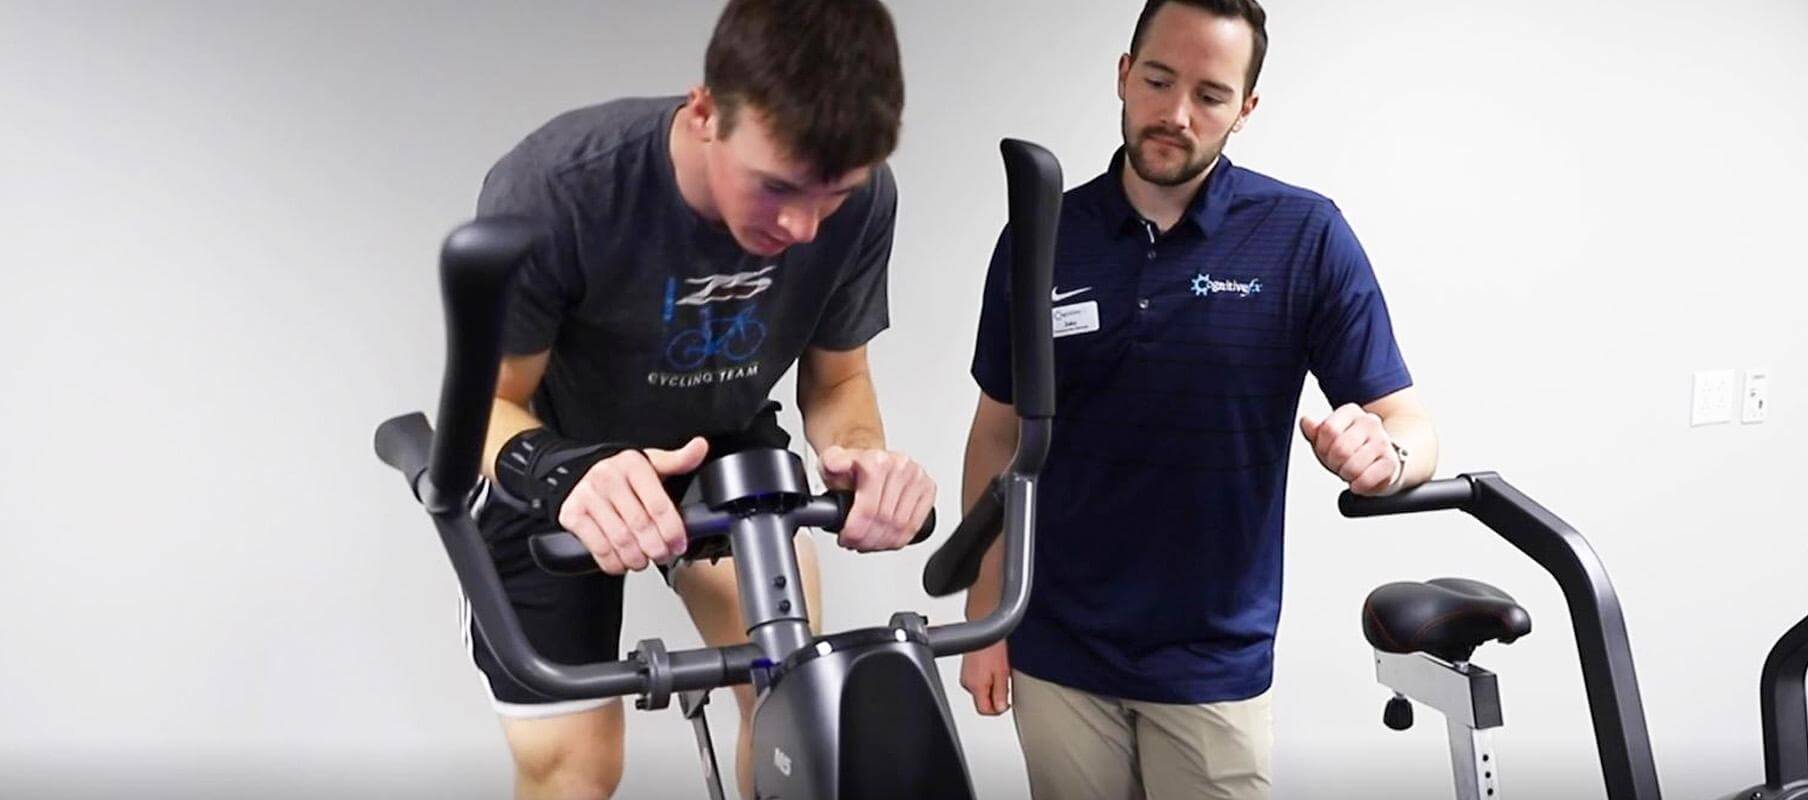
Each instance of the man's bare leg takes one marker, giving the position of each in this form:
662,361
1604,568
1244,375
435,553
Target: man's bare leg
575,756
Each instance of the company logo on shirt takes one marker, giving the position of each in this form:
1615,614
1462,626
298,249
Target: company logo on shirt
709,344
1205,286
734,339
725,288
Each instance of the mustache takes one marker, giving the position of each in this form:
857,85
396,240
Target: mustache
1164,135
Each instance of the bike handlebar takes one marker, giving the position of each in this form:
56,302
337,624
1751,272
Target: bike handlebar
1429,496
562,553
476,264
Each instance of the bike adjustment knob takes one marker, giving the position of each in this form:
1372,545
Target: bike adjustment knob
1398,714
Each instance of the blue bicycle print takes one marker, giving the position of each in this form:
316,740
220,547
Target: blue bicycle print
736,338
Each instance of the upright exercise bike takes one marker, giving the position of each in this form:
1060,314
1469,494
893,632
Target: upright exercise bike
853,714
1425,633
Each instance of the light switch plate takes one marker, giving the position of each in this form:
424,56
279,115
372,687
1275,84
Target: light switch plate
1756,396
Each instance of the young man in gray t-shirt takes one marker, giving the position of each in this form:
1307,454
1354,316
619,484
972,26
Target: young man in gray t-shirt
699,246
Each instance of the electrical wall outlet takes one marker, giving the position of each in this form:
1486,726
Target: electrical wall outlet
1757,396
1713,398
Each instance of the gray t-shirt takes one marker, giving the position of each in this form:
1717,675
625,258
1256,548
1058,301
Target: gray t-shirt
660,326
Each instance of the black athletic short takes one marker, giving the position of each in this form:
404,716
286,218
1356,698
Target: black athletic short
569,619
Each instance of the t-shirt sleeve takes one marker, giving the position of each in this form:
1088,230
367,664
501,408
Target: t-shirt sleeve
550,284
1350,342
858,307
992,346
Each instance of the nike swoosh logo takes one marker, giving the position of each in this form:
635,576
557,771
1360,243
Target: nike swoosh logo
1057,295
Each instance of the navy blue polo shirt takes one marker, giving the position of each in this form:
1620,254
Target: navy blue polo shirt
1179,361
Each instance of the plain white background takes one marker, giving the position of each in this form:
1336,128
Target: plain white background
219,229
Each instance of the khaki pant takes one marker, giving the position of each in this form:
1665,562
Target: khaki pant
1082,746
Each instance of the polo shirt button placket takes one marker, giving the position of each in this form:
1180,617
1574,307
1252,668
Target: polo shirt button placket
1143,332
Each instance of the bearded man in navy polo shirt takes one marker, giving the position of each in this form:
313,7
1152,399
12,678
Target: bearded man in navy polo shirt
1191,298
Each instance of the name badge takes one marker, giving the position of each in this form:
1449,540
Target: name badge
1077,318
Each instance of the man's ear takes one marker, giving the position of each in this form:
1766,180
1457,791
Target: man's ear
1249,107
704,113
1123,74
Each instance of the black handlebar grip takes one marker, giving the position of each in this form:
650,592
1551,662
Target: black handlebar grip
844,503
561,553
403,443
1033,179
476,264
927,530
1430,496
955,566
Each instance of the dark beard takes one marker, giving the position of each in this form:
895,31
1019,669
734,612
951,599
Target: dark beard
1186,173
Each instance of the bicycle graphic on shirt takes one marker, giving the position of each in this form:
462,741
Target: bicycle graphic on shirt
736,339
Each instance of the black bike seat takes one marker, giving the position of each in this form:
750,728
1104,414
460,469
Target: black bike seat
1446,617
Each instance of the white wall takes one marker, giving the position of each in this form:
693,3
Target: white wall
220,224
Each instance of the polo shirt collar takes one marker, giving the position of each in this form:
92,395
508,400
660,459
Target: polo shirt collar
1206,211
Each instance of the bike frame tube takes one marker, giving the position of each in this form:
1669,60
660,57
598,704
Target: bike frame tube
1602,645
1020,556
704,668
1785,709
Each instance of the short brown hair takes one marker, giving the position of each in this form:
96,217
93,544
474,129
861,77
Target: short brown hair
1249,11
825,73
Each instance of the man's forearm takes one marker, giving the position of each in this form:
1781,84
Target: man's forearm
1416,434
506,420
844,414
988,453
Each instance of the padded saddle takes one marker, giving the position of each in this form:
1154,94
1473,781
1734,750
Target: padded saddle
1445,617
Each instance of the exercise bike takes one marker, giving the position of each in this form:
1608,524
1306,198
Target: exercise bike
854,714
1425,633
